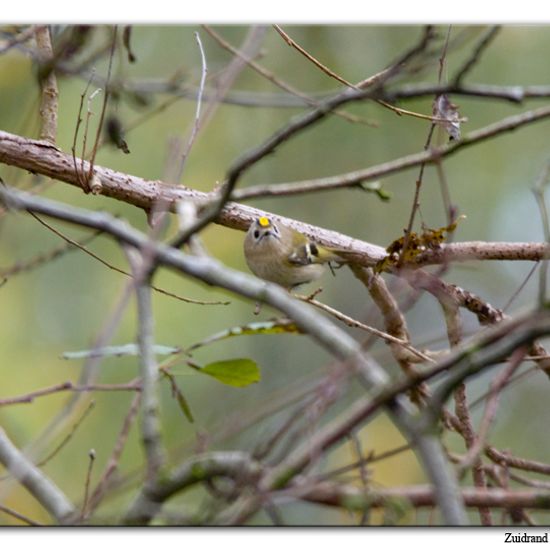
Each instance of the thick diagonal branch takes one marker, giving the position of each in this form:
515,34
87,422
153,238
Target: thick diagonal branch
34,480
46,159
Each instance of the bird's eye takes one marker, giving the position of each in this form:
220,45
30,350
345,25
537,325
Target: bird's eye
256,234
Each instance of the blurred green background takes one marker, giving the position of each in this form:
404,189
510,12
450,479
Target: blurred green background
64,304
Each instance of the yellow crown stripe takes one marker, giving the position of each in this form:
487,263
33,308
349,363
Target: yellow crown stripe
264,222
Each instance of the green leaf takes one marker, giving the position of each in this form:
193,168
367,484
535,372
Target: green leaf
376,187
233,372
275,326
117,351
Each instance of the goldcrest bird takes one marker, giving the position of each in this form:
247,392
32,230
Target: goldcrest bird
282,255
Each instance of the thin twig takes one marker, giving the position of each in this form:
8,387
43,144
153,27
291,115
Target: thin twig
397,66
308,56
482,45
196,124
265,448
363,474
103,108
112,463
517,292
448,207
91,462
250,47
352,179
383,75
89,114
445,191
79,171
497,385
260,69
427,144
19,516
507,459
470,439
443,56
539,483
349,321
416,198
81,246
44,258
370,459
69,435
511,94
68,386
514,380
362,85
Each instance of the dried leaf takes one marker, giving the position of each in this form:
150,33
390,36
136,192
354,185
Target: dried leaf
115,134
447,115
126,36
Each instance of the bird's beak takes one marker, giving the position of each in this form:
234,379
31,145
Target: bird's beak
268,233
